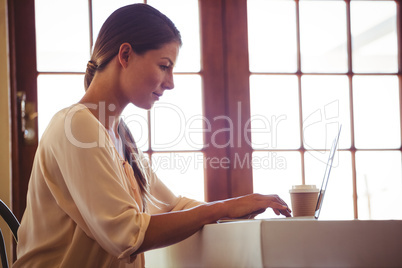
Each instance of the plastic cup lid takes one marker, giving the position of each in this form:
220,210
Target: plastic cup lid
303,189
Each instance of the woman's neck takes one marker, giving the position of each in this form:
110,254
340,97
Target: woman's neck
105,111
102,98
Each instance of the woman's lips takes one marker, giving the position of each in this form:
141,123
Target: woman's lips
156,95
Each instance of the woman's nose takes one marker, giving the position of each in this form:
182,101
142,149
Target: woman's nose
169,83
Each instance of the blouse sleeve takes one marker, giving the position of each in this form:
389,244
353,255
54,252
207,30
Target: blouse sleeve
84,173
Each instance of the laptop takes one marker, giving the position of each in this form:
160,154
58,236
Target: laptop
323,188
326,174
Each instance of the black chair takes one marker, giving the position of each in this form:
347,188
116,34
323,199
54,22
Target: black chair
13,223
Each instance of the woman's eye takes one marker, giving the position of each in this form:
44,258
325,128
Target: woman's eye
164,67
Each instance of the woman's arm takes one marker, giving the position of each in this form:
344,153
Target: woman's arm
169,228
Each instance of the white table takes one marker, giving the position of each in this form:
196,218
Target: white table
283,243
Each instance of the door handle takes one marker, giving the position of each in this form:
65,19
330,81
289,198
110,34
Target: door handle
27,118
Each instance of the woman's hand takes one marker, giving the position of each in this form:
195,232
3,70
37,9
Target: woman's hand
250,205
171,227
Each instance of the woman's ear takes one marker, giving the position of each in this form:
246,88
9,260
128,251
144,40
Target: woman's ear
125,52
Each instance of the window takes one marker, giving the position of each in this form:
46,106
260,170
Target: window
261,88
169,133
313,66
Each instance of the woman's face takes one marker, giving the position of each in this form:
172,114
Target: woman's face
147,76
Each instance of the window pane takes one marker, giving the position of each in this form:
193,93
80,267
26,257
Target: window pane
274,112
177,120
325,107
272,36
62,43
376,112
323,36
275,173
56,92
379,185
183,173
338,200
101,10
185,15
374,38
137,121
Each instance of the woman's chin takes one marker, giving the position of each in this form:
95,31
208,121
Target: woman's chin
145,106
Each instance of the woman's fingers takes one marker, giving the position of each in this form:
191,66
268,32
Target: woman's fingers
276,211
280,207
279,200
255,204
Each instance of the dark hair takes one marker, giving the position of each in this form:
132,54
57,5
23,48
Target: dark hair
140,25
144,28
132,156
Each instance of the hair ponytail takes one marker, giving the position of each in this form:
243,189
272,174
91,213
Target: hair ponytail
131,154
90,73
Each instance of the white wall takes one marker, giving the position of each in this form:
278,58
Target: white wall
5,126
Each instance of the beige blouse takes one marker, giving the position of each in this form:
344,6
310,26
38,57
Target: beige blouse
83,203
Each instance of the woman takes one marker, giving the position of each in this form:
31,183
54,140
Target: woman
92,200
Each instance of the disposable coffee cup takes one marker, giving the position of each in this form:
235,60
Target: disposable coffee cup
304,199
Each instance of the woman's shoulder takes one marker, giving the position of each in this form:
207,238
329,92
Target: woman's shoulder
66,115
79,115
74,123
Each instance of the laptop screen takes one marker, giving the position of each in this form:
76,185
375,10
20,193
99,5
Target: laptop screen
326,174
